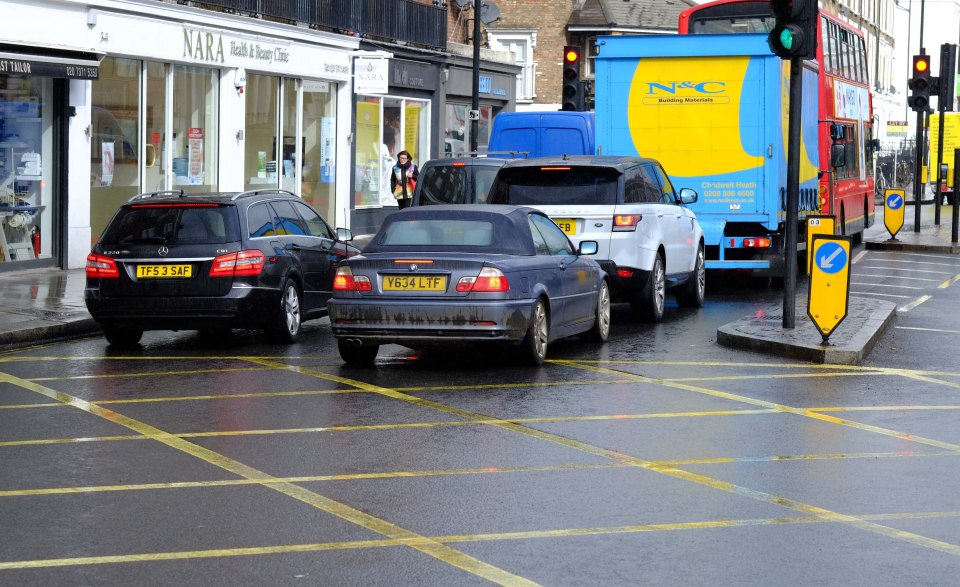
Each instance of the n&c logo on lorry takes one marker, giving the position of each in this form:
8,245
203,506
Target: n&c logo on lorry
685,93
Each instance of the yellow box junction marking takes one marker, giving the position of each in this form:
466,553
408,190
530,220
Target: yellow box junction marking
894,204
818,225
829,287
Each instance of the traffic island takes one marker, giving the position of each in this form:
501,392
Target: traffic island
849,344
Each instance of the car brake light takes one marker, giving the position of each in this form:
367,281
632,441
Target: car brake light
554,169
626,222
344,280
458,164
756,243
242,263
489,280
100,266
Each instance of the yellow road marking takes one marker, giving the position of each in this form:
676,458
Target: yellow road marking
439,551
190,398
23,406
527,535
699,479
144,374
914,304
949,282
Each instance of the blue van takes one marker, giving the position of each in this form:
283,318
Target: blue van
542,134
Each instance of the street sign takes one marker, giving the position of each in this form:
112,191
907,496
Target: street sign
818,225
829,282
893,207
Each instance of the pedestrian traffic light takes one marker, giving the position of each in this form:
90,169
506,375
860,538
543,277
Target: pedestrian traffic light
572,86
795,33
919,84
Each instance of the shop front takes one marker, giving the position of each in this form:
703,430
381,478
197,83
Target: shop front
34,117
402,119
497,93
218,104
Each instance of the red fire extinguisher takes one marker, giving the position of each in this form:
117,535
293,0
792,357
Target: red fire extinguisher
35,237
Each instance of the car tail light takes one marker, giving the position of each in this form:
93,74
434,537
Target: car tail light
756,243
344,280
489,280
100,266
626,222
242,263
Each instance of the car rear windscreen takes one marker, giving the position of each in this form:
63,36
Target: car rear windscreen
175,224
439,233
555,185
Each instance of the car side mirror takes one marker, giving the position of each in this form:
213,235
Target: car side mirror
588,248
838,156
688,196
345,234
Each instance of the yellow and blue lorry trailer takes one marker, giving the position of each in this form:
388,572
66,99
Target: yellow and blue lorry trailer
713,109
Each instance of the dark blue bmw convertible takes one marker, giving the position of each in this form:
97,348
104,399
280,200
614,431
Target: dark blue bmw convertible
468,274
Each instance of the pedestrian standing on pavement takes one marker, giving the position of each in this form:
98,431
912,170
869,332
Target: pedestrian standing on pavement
404,179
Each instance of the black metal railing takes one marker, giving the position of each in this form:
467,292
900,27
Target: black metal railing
387,20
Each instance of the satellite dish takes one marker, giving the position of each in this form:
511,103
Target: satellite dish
461,4
489,12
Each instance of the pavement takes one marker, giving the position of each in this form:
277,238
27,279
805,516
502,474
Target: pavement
46,305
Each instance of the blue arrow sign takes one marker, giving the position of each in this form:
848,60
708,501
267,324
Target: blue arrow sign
831,258
894,201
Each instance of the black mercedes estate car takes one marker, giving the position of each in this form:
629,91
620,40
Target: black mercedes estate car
262,259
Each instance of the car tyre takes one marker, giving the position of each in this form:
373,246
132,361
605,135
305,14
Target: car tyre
695,289
652,299
286,322
534,344
357,355
122,337
601,324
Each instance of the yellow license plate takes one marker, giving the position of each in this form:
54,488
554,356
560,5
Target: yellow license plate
414,283
567,225
147,271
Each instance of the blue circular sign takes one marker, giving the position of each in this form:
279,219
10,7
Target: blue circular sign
831,258
894,201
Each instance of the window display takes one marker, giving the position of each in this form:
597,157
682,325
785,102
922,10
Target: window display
26,149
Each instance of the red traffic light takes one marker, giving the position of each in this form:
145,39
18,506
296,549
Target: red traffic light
571,55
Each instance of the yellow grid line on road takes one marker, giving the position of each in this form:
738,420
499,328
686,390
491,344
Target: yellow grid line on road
699,479
432,548
454,539
305,479
144,374
454,472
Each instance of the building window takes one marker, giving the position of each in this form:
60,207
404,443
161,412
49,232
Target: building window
195,128
521,44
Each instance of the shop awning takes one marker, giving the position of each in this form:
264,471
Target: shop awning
36,60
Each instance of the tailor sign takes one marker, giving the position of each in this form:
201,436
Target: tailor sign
829,282
893,206
818,225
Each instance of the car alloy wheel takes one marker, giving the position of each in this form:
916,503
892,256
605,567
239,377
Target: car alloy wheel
601,326
535,342
695,289
286,327
650,304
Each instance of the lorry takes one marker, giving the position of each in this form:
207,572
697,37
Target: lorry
713,109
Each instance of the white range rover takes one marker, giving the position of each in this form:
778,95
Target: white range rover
649,240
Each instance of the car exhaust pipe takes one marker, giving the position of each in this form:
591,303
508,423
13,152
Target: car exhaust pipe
353,341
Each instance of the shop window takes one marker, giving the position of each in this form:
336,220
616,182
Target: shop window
319,185
114,140
259,160
195,128
26,168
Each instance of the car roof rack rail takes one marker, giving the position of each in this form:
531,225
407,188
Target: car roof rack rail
485,154
261,192
178,193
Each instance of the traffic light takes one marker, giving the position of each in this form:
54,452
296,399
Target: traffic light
946,81
572,86
795,33
919,84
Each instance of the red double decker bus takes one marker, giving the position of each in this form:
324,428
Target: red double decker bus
846,104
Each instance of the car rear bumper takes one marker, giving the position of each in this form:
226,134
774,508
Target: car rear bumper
240,308
412,322
622,288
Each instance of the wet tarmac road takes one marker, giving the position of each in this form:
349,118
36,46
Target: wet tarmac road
658,458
